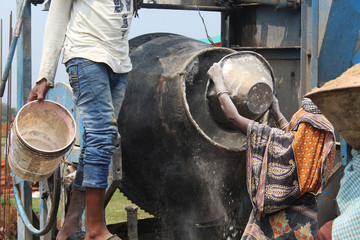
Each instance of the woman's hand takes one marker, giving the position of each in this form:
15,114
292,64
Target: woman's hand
278,116
275,105
215,74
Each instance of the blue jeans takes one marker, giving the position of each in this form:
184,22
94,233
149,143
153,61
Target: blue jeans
98,93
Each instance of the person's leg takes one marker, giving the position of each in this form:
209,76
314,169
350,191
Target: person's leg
92,95
95,219
118,86
72,222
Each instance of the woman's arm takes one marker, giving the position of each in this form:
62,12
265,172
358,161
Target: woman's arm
228,107
278,116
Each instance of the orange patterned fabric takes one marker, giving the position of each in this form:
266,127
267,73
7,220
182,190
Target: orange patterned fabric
313,148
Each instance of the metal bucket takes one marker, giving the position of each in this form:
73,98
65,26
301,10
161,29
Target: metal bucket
42,133
249,79
342,107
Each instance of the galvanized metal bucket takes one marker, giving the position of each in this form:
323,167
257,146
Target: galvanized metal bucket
342,107
249,79
42,133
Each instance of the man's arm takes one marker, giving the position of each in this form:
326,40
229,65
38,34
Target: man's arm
55,29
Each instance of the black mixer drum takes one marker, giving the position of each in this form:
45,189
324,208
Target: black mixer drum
178,162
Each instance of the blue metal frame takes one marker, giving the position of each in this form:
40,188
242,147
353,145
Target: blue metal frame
314,43
23,12
23,88
340,24
329,38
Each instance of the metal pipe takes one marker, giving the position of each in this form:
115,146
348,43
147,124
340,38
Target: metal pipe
225,30
13,47
276,3
343,151
304,51
23,86
132,223
183,7
314,43
24,215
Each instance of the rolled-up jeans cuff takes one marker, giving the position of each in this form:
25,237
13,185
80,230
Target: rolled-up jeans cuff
77,187
96,176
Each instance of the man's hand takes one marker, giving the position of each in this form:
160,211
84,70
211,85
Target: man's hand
39,91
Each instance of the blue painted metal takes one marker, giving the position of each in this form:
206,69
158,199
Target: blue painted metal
276,29
27,223
340,23
314,42
355,4
23,88
24,59
341,30
305,53
343,152
26,200
309,65
356,59
14,41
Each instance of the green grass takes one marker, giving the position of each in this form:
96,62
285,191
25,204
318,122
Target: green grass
115,211
12,201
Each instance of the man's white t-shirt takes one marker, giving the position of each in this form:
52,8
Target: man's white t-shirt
93,29
98,30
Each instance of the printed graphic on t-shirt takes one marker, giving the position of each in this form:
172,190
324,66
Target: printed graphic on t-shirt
119,6
128,5
125,21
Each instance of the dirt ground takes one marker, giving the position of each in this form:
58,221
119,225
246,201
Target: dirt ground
8,221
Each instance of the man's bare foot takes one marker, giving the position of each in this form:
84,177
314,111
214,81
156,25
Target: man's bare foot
74,236
98,236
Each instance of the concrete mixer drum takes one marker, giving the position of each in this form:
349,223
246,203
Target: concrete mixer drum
178,161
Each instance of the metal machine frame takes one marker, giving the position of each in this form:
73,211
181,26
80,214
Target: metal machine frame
305,41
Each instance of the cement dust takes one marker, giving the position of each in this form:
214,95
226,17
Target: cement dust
350,78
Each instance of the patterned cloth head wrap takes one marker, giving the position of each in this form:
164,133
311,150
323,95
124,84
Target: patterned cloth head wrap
309,106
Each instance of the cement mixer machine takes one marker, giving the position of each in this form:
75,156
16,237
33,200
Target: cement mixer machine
179,159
